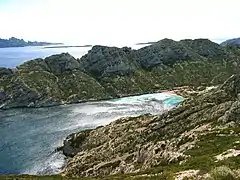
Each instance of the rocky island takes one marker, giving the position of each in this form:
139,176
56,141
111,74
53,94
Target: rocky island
15,42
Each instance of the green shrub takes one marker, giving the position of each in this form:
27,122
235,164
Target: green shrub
223,173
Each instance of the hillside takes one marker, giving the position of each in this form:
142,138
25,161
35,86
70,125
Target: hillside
200,134
231,42
199,139
14,42
109,72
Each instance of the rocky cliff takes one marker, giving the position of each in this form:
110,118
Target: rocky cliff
107,72
200,134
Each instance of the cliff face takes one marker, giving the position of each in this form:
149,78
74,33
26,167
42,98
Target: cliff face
199,134
106,72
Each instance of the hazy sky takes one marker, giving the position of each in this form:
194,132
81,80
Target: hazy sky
118,22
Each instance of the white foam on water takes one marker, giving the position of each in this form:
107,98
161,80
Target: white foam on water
141,98
52,165
89,110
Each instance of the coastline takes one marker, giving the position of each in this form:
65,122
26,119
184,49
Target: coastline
49,47
184,91
31,45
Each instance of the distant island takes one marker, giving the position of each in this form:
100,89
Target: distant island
67,46
146,43
15,42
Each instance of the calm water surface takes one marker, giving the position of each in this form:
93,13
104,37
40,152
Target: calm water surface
12,57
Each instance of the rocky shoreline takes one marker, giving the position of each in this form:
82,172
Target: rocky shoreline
181,91
141,144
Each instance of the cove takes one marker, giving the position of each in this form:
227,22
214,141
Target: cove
29,136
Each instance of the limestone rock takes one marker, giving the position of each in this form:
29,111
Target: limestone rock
52,81
61,63
106,61
134,144
165,52
206,48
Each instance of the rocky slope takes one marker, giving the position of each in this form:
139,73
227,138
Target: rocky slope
107,72
201,133
231,42
54,80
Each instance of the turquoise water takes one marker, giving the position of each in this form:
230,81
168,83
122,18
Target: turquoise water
30,136
165,100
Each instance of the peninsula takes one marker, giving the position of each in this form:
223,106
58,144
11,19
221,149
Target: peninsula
15,42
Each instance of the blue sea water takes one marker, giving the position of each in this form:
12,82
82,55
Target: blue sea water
28,137
12,57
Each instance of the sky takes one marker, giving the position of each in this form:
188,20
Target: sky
118,22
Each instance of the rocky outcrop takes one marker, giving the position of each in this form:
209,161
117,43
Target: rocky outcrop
206,48
106,72
165,52
138,144
59,64
109,61
55,80
56,64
